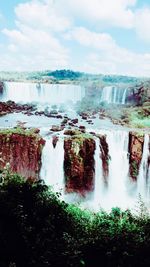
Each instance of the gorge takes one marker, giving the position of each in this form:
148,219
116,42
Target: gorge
86,157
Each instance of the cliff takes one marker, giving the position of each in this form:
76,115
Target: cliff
104,156
136,142
22,150
1,87
79,164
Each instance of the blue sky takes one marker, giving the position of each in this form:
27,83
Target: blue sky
97,36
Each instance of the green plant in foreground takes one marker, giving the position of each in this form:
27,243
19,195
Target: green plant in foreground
39,230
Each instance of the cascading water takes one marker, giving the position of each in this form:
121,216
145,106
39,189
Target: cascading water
143,182
52,165
115,193
114,95
118,166
42,93
117,190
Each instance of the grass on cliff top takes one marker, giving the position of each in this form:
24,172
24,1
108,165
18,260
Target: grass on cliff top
20,131
39,230
138,119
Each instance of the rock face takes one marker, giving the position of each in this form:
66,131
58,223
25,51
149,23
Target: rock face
79,164
104,156
139,94
1,88
11,106
55,139
22,150
136,142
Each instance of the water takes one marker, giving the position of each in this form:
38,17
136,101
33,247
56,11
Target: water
52,165
120,190
114,95
52,94
116,192
143,184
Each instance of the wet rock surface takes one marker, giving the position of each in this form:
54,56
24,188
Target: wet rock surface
1,88
136,143
11,106
79,164
55,140
22,150
104,149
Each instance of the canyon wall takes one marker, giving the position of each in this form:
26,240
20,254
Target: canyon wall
22,150
136,143
79,164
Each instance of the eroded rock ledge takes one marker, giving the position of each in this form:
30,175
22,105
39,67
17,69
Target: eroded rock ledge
136,142
1,87
11,106
79,164
104,149
22,149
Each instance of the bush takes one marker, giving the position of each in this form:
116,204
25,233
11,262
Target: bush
39,230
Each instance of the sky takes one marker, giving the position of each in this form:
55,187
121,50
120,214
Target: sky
94,36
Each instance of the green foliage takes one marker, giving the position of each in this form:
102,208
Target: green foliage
65,74
39,230
20,131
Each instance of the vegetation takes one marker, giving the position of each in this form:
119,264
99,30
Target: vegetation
20,131
39,230
66,76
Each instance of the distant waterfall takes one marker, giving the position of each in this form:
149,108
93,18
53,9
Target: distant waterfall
143,186
52,164
52,94
114,95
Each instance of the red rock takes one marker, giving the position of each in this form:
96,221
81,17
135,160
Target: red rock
54,140
79,164
104,156
74,121
22,151
56,128
136,142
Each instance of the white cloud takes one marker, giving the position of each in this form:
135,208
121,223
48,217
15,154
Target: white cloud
142,23
42,14
87,38
37,40
134,64
31,49
33,45
108,57
112,13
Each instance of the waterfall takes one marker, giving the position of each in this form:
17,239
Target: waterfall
99,183
118,180
143,182
52,164
116,192
114,95
52,94
124,97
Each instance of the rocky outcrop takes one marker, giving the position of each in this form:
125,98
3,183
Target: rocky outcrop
136,142
11,106
55,139
21,149
104,156
139,94
1,88
79,164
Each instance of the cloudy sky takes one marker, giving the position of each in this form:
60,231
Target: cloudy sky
96,36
